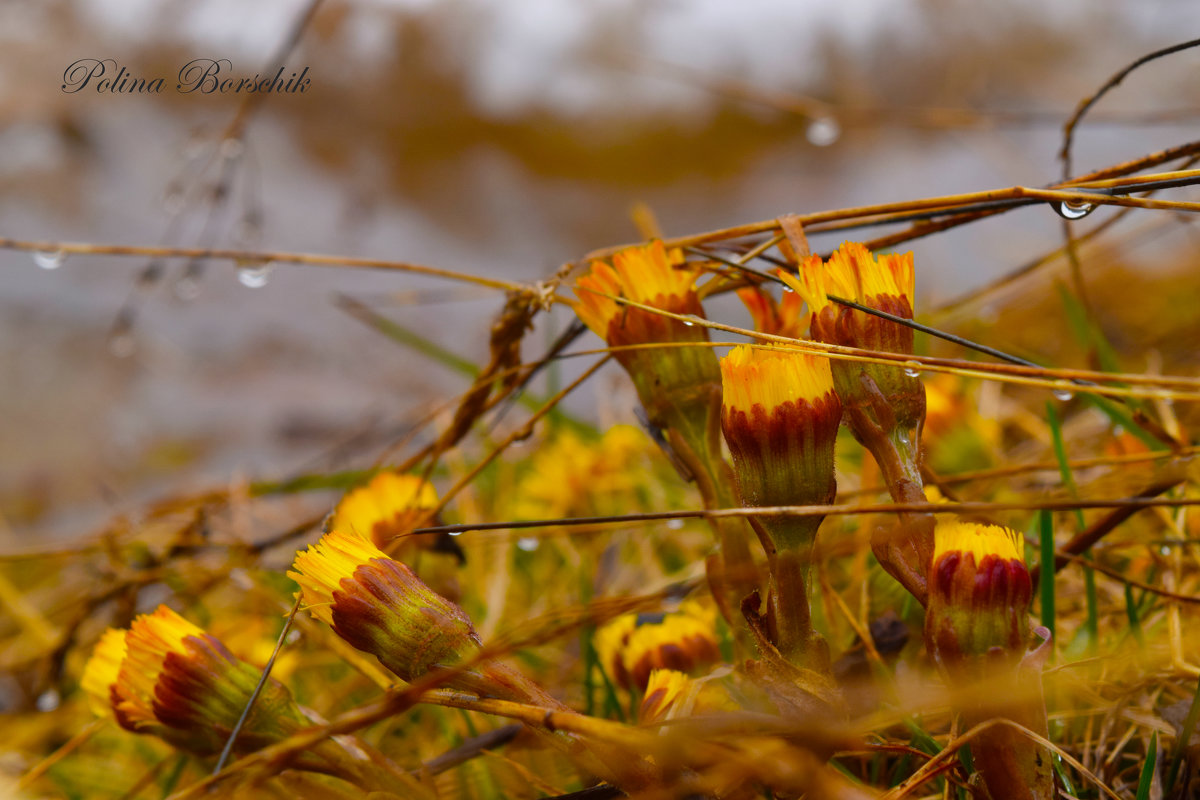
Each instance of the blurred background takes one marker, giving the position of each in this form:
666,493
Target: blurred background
499,139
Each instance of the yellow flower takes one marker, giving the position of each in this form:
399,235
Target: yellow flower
785,318
380,606
633,645
780,417
853,273
752,376
101,671
976,541
386,508
643,274
321,569
150,640
168,677
979,595
664,691
676,385
885,284
671,694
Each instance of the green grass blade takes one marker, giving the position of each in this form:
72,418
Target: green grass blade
1046,573
1092,622
1135,620
1086,332
1143,792
1185,736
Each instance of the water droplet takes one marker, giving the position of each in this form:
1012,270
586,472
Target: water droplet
49,259
528,543
1063,394
787,289
674,524
689,324
293,636
1166,551
823,131
911,369
122,345
253,274
48,700
456,533
1074,209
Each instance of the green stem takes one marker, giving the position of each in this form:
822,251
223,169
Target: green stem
788,558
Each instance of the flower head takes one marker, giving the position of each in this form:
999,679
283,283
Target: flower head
979,595
853,273
780,416
644,274
386,508
884,283
380,606
633,645
783,318
669,378
168,677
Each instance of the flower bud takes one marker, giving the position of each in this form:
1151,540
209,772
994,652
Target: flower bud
780,417
979,596
886,284
381,607
671,694
168,677
647,275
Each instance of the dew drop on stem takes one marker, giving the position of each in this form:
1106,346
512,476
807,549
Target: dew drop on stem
1074,209
253,274
49,259
1063,394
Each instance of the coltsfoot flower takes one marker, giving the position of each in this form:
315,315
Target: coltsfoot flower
648,275
780,416
979,596
977,630
166,676
380,606
885,283
884,404
783,318
671,694
388,507
633,645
